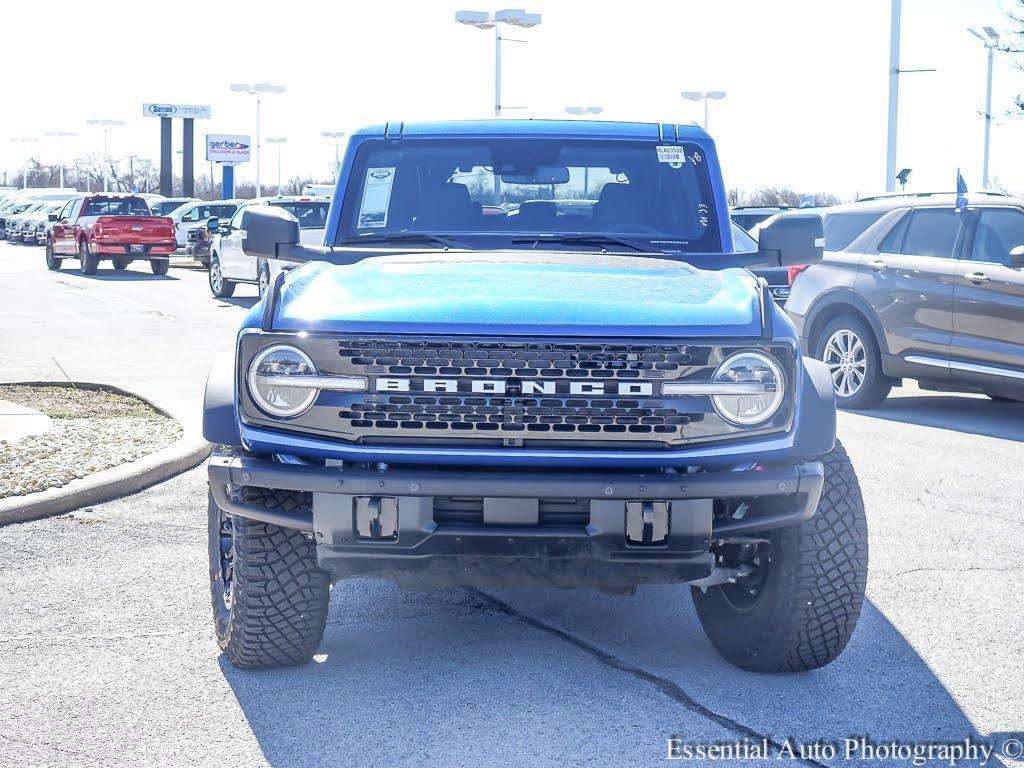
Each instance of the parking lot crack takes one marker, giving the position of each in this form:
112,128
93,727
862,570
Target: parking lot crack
665,686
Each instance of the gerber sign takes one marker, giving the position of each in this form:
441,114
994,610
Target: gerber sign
227,148
177,110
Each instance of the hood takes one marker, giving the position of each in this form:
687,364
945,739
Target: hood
522,294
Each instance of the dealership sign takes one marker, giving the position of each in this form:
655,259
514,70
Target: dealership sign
227,148
188,111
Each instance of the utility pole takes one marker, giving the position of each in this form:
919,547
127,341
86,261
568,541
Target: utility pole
991,43
894,96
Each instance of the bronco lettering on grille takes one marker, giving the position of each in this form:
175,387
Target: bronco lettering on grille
525,387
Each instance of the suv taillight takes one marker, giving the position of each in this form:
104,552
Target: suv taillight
792,272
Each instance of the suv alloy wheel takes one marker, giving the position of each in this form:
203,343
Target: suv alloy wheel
848,347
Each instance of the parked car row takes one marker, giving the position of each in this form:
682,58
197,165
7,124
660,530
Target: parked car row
912,287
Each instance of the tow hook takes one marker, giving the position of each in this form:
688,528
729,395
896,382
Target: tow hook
646,522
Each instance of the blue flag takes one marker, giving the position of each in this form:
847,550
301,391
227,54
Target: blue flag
961,191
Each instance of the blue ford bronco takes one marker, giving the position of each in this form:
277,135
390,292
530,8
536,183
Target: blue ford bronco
526,353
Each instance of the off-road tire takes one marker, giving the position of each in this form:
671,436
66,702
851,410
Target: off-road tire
279,597
876,385
809,605
159,266
88,261
121,264
226,287
53,262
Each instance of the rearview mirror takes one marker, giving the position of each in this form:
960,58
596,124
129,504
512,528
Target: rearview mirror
792,240
1017,256
52,217
542,174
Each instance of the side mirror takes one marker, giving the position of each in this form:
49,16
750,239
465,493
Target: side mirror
791,240
1017,256
213,225
265,228
52,217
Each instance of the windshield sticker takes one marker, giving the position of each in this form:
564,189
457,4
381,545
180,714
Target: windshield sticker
674,156
373,213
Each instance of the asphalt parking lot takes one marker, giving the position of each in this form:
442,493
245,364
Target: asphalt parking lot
107,654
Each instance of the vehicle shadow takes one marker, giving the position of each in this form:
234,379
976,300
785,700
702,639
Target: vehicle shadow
974,415
533,677
123,276
245,302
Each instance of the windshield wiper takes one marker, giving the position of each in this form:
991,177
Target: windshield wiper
584,239
401,237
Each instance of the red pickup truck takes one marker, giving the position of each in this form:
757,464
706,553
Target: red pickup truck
109,226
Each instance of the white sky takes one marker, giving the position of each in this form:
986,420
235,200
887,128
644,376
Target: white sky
806,79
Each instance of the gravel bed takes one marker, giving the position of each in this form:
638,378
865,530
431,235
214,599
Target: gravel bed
92,430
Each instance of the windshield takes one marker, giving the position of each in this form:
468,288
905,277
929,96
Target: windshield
505,189
311,215
116,206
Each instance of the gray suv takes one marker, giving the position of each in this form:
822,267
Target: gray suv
925,292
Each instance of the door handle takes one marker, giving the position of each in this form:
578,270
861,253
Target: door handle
878,265
977,277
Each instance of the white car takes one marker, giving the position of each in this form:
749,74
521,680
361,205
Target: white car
319,190
229,265
194,215
34,225
166,205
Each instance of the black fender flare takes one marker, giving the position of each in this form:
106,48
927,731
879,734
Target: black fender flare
219,425
816,422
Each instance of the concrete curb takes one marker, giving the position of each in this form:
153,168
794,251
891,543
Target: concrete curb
187,452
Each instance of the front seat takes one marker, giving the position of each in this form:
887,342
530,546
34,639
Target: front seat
618,205
447,207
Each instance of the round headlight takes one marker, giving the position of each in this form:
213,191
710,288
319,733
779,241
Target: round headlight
755,407
272,395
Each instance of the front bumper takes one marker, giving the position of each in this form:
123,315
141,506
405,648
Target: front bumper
592,551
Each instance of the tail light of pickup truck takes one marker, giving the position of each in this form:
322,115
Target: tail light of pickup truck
793,271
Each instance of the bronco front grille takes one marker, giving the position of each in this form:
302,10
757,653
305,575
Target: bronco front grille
537,393
508,391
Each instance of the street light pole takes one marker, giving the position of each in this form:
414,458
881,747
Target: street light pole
704,96
24,167
991,43
256,89
60,149
336,135
105,124
516,17
894,96
279,140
